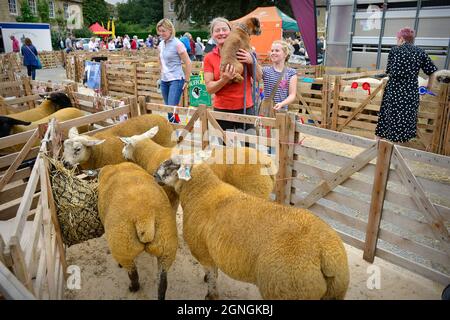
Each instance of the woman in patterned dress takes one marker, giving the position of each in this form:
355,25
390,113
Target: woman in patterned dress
397,120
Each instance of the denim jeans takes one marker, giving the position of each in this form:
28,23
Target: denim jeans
31,71
171,92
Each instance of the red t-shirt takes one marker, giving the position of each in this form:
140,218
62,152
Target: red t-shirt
134,44
231,96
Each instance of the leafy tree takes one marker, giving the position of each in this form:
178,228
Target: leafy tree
26,15
82,33
95,11
143,12
43,10
60,20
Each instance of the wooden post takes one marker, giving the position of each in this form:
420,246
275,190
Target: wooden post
28,91
204,124
292,139
142,109
104,78
281,126
335,110
134,110
325,100
135,80
377,201
76,63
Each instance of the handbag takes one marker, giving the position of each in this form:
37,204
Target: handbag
38,61
266,106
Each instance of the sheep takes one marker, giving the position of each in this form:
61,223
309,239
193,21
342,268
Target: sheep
7,123
137,217
442,76
287,252
105,147
54,102
60,115
249,177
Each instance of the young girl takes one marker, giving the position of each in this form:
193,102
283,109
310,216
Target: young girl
287,88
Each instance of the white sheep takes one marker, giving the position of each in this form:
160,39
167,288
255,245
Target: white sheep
105,147
287,252
137,217
245,168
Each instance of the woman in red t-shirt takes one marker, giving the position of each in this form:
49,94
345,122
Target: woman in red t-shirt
228,96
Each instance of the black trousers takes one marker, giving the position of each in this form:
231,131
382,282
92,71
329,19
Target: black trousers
230,125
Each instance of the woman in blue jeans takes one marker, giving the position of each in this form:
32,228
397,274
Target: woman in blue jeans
172,53
30,54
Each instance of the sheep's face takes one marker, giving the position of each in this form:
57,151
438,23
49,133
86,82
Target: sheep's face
78,148
167,173
128,148
443,76
130,142
75,152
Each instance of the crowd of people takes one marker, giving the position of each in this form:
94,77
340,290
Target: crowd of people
195,49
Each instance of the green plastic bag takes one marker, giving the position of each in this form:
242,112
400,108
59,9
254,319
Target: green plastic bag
197,91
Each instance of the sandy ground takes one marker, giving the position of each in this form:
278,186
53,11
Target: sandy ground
101,278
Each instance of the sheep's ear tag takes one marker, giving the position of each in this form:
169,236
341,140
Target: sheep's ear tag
184,173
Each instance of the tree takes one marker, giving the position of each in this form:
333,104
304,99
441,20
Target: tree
143,12
95,11
203,11
60,20
26,15
43,10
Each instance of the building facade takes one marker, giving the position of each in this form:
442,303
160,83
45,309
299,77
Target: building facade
72,11
169,13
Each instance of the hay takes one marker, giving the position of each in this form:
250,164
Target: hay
76,204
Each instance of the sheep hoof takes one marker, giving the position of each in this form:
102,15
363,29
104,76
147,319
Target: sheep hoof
134,287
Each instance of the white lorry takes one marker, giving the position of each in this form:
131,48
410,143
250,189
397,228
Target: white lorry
39,34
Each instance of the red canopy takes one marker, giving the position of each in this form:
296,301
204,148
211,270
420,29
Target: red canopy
98,29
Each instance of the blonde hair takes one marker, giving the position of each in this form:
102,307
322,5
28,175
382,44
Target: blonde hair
215,21
166,24
285,47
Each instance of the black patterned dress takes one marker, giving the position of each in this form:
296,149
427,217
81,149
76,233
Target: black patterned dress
397,120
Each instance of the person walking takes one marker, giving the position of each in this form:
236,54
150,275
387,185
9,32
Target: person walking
15,44
30,58
199,49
